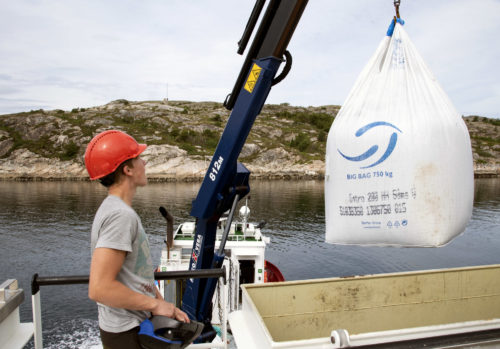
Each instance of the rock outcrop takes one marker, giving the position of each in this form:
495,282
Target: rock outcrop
285,142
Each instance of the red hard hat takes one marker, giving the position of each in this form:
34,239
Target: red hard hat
108,150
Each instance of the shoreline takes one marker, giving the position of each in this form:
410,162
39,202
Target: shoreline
189,179
49,145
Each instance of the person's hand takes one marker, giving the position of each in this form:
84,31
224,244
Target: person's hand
163,308
180,315
168,309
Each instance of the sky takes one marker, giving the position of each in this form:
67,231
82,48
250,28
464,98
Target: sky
63,54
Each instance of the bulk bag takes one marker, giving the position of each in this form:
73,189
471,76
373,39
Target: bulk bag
398,158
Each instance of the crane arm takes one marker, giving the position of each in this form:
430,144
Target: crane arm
226,180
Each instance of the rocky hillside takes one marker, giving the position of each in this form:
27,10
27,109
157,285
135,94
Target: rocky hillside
485,141
285,142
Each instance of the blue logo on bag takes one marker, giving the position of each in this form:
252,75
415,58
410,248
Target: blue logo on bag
373,149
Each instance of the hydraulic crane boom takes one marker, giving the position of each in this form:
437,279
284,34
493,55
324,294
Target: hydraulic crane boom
226,180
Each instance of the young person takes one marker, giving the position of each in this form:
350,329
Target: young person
121,270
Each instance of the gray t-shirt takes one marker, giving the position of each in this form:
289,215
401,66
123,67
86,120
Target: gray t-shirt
116,225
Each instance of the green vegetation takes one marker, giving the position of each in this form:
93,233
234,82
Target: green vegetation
41,146
217,119
69,152
495,122
309,127
196,127
302,142
490,141
188,140
322,136
483,153
491,121
320,121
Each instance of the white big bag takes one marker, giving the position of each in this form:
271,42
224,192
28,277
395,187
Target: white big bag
398,159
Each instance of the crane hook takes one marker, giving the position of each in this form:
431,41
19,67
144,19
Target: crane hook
396,5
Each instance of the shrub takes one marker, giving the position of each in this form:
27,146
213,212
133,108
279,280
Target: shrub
320,121
483,153
322,136
217,119
209,139
301,142
495,122
184,135
70,151
174,133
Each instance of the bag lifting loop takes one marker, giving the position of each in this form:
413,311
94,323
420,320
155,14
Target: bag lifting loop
396,6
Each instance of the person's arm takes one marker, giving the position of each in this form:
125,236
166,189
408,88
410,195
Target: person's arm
104,288
158,294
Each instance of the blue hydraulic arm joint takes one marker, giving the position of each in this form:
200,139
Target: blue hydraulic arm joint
226,180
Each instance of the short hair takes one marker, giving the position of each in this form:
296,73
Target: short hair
114,177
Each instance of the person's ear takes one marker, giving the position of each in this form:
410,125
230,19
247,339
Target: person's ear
127,171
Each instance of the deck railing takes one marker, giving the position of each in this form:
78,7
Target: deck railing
38,281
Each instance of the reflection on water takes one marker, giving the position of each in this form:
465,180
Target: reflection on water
45,229
303,241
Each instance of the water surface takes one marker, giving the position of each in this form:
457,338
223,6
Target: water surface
45,229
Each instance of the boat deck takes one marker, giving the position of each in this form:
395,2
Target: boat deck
373,309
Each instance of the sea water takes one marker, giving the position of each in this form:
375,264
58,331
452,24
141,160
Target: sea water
45,227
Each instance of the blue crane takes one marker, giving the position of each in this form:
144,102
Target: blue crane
226,180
